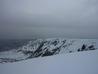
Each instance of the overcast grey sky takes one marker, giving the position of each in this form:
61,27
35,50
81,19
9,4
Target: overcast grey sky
48,18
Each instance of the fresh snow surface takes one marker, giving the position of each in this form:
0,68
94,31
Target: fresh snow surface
73,63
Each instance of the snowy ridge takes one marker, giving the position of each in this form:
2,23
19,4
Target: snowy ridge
48,47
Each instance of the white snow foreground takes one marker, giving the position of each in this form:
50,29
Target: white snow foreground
73,63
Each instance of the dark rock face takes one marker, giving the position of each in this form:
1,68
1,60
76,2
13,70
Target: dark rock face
70,51
54,43
83,47
47,53
91,47
86,48
44,48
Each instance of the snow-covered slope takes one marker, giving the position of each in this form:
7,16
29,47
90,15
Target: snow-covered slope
48,47
73,63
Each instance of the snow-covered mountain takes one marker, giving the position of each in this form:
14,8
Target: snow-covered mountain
48,47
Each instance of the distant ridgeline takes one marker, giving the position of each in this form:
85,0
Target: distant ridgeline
9,44
26,49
